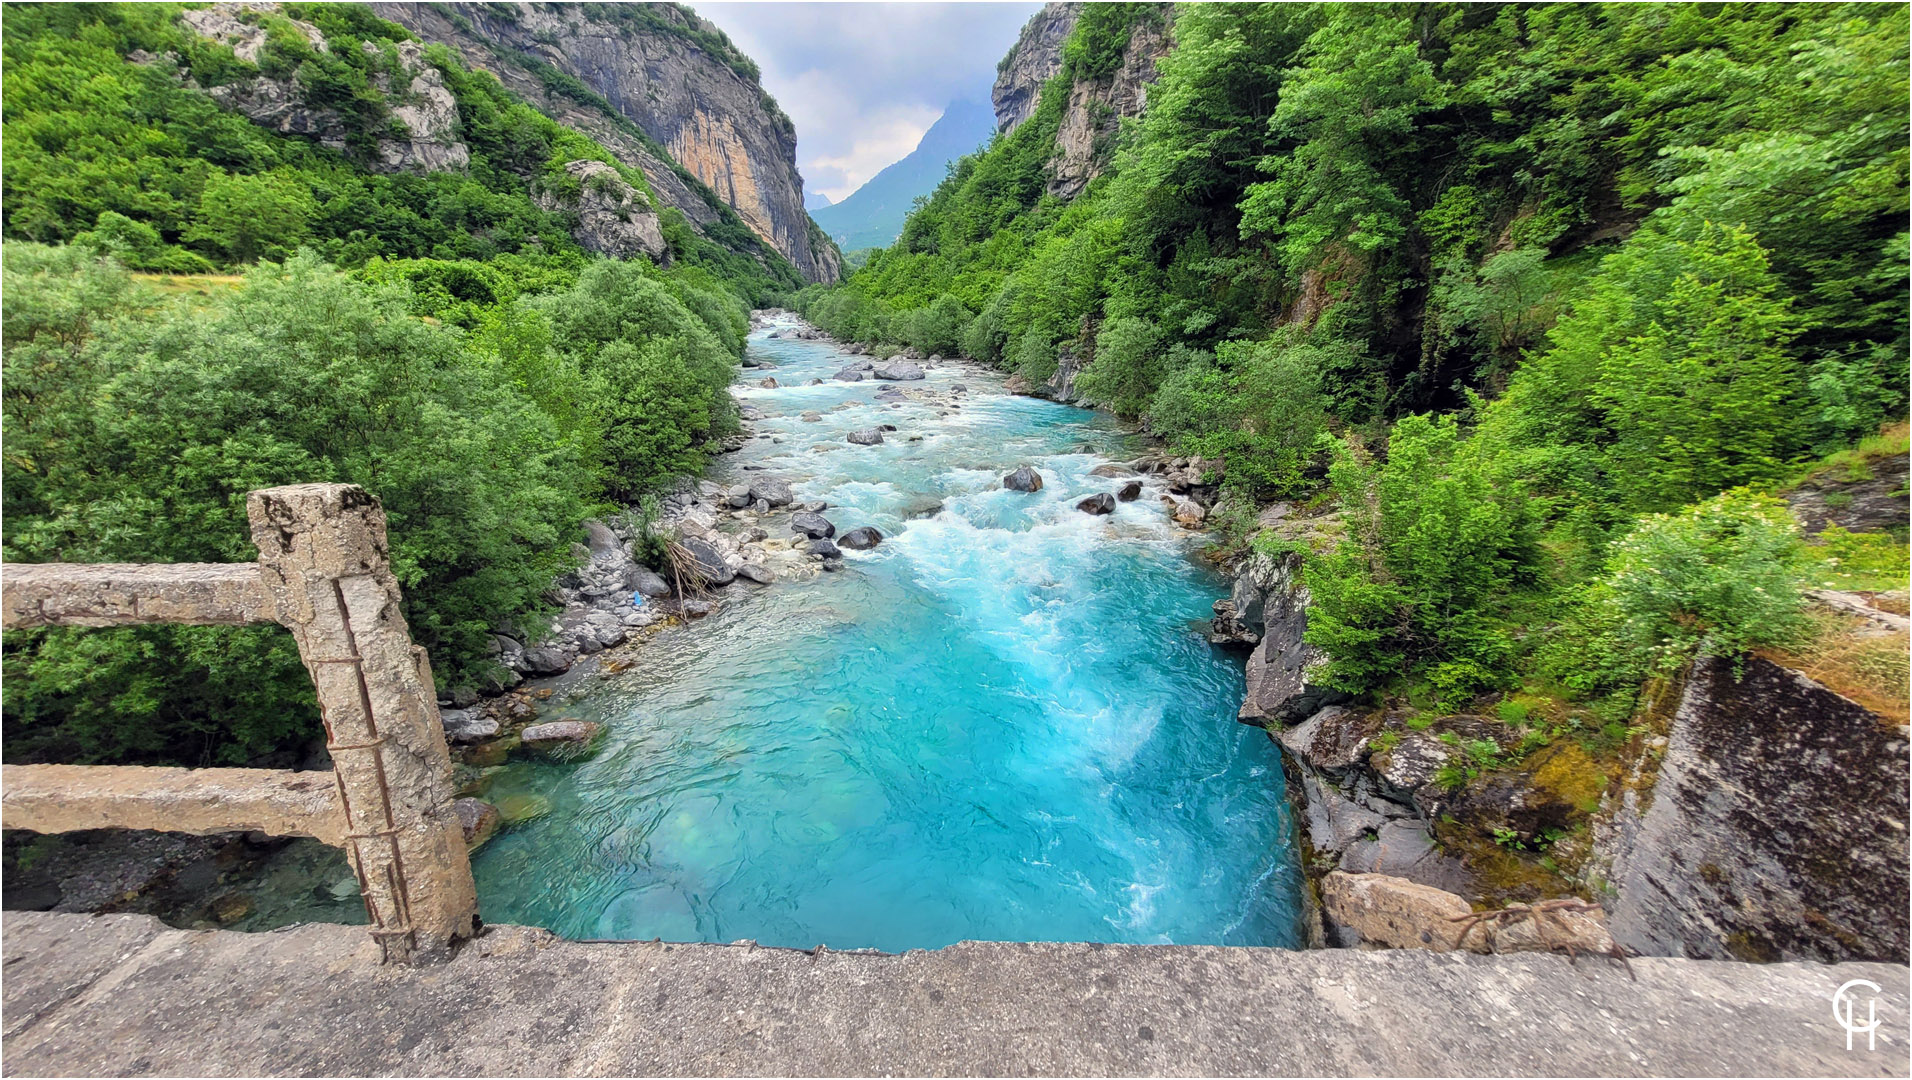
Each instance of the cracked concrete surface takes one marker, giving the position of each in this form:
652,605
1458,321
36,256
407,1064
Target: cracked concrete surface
124,995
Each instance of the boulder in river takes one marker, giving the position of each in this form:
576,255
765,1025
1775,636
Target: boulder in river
1102,503
767,384
826,549
759,574
848,375
751,412
478,819
1130,491
562,739
899,370
814,382
860,539
707,562
543,660
1023,479
771,490
865,437
813,525
811,416
1111,471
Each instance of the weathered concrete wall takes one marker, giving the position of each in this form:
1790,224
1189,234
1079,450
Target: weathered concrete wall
122,994
1775,828
69,798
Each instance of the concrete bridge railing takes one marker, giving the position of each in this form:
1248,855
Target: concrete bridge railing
324,574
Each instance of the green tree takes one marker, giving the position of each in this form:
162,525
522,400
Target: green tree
245,218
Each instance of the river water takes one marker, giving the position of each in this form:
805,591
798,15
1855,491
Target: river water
1001,723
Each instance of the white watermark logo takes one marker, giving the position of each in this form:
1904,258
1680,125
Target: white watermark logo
1845,1010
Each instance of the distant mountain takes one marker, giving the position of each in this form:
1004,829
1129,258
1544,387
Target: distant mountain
872,215
815,200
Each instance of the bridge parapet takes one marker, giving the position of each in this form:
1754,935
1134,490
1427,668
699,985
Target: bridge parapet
324,573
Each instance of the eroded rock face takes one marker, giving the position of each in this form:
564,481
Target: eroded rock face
418,97
614,218
1869,502
720,125
1279,688
1390,913
1035,59
1085,141
1775,828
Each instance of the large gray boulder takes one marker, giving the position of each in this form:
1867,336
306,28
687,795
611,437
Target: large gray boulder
813,525
899,370
706,561
860,539
771,490
562,739
1281,689
1770,827
1103,503
650,584
848,375
602,541
614,218
865,437
1023,479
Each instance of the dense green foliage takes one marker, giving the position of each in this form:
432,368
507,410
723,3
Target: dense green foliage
1633,255
439,338
92,134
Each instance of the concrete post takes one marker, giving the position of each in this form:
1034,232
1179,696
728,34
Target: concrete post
323,560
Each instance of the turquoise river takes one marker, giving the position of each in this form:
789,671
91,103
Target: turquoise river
1002,723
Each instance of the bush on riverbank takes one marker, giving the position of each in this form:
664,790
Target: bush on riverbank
137,424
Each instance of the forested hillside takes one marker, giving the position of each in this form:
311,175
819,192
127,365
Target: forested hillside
1546,300
340,256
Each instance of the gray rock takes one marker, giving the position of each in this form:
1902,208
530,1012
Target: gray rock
1023,479
865,437
771,490
813,525
824,548
478,819
899,370
1279,690
467,725
833,565
860,539
1111,471
848,375
543,660
564,739
707,562
1392,913
1774,828
759,574
614,218
1130,491
650,584
1102,503
602,542
737,497
751,412
811,416
767,384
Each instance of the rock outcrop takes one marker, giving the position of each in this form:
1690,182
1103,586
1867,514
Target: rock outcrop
1772,826
1034,60
655,70
614,218
1086,139
423,107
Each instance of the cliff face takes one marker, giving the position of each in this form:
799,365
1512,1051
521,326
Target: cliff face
1086,138
666,72
1035,59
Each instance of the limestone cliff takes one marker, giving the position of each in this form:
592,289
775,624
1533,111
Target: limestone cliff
633,74
1086,139
1035,59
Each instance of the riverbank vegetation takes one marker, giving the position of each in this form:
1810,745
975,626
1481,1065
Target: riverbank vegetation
440,338
1548,300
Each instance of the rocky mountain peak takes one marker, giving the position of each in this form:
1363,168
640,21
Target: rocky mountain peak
1035,59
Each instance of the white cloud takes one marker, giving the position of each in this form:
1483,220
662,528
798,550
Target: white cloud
862,82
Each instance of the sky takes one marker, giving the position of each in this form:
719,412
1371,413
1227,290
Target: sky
863,82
